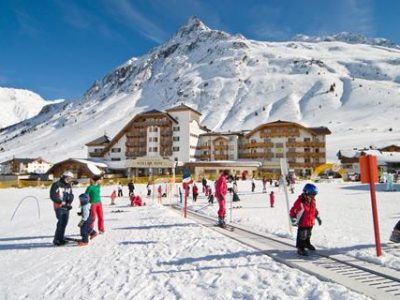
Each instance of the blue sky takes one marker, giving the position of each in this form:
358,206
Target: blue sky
58,48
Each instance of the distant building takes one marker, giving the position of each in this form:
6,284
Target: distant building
96,147
154,142
81,168
22,166
387,161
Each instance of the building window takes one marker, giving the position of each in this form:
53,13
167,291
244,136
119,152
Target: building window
317,150
306,149
267,140
306,160
175,149
253,141
291,140
307,139
116,150
292,149
153,149
175,138
278,145
98,150
153,139
153,129
175,128
279,155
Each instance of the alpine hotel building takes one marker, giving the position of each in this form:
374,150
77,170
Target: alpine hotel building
154,142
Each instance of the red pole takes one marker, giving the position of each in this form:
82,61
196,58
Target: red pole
374,207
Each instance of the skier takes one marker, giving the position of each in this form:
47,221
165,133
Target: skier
93,190
303,214
395,236
159,192
62,197
220,193
131,187
209,194
120,193
264,183
84,224
272,199
235,196
148,187
204,183
195,192
253,185
113,196
389,183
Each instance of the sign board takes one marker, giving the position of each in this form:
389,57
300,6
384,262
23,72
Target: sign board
149,162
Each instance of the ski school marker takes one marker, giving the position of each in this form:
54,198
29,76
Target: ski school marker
369,174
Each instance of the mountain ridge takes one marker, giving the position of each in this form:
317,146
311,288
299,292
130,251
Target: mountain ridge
235,83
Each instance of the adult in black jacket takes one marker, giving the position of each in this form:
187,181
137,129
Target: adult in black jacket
62,196
131,188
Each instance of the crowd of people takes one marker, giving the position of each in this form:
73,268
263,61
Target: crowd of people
303,213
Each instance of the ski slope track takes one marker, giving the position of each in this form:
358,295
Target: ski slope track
345,82
361,276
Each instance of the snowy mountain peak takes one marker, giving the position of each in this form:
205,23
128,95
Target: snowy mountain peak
18,105
193,26
347,37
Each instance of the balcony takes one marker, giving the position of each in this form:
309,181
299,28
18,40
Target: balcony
95,154
221,147
256,145
135,134
221,156
279,133
305,144
256,155
152,123
305,154
203,147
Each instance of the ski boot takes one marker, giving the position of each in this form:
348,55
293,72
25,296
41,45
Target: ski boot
395,236
221,222
302,252
310,247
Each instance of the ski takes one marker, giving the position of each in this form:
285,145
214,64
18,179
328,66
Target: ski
71,239
227,227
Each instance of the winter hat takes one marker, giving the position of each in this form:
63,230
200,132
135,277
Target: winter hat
84,199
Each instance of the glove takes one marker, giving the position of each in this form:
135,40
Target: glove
79,213
67,206
294,221
80,224
319,221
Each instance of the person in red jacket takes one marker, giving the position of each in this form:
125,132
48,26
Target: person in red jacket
220,193
272,199
303,214
195,191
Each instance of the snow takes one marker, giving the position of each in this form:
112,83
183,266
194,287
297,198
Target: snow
345,210
236,84
153,253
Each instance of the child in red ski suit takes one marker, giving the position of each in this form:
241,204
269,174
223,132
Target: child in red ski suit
220,193
271,199
303,214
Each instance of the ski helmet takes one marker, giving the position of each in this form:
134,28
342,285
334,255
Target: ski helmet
310,189
84,199
68,174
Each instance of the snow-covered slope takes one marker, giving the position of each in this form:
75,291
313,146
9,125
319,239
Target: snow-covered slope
236,83
18,105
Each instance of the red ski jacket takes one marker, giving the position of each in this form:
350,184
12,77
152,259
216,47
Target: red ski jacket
221,188
304,212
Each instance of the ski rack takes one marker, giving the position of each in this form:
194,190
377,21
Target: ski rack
372,280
